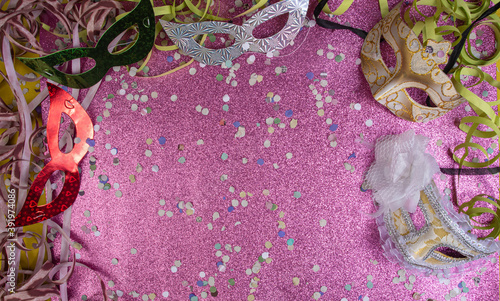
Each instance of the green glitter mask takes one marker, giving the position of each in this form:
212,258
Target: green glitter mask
142,16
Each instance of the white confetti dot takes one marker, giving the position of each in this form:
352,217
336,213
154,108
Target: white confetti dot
173,97
173,269
133,251
369,122
116,68
251,59
170,214
155,168
122,92
108,78
357,107
198,108
330,55
267,143
289,155
144,98
225,98
358,61
134,107
154,94
324,289
365,298
192,71
130,96
165,294
161,212
322,223
244,203
204,111
202,274
148,153
315,268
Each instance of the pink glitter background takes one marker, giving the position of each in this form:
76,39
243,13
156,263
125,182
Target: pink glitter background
346,250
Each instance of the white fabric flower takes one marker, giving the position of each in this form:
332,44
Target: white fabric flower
400,171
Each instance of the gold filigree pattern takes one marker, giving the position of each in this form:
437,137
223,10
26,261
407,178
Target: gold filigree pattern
416,67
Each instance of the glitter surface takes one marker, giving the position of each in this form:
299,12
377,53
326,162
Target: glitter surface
243,183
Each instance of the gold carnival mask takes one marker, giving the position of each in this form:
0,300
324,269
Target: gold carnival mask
416,67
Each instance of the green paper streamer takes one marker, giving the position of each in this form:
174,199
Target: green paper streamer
142,16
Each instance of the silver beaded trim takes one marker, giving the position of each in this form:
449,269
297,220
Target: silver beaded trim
452,226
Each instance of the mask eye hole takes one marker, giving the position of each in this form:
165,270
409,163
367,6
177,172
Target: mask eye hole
270,27
86,64
56,183
418,219
128,38
419,96
218,41
67,126
388,54
446,251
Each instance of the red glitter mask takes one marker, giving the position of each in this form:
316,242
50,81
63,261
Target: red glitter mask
60,102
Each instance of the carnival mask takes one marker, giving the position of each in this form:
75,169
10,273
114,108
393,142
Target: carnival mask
142,16
416,67
182,34
60,102
442,243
